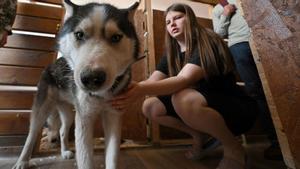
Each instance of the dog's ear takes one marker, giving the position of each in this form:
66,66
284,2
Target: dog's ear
131,11
69,6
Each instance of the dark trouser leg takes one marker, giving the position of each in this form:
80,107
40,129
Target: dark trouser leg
247,70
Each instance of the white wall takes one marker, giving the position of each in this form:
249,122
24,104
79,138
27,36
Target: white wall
117,3
201,10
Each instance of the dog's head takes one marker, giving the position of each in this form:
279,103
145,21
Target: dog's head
99,42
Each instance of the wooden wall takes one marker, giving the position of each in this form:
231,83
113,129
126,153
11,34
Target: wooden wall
22,60
25,56
275,43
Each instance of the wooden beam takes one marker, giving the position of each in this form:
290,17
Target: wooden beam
58,2
36,24
211,2
26,58
14,122
153,127
29,9
275,46
16,100
21,41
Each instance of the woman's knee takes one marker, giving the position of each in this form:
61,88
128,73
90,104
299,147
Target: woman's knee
188,100
152,107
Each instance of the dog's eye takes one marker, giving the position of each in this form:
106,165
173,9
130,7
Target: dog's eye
116,38
79,35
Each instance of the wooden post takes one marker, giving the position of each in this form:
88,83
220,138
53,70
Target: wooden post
275,45
154,127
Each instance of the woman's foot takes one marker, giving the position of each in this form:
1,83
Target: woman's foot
201,146
194,153
229,163
234,158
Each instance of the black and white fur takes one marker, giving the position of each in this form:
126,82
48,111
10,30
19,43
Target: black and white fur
98,43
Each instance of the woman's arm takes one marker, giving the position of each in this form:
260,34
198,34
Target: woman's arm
156,76
159,84
134,91
188,76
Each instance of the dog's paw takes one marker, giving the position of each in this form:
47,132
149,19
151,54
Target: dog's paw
67,154
21,165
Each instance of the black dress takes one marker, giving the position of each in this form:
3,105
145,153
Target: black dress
222,94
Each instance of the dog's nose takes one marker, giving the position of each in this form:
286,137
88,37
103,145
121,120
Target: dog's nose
93,79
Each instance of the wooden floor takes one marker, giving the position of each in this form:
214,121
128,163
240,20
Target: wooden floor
171,157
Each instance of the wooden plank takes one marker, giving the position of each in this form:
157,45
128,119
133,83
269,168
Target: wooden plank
14,123
36,24
153,129
31,42
211,2
59,2
19,75
143,158
276,39
135,124
16,100
29,9
206,23
150,37
12,141
159,34
21,57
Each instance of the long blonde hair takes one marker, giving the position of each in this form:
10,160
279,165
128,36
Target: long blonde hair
215,57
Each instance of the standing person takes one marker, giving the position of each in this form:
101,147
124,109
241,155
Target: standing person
194,88
7,17
228,22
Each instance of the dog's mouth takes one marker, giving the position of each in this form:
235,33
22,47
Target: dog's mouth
120,83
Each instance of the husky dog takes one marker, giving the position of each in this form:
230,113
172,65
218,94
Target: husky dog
99,44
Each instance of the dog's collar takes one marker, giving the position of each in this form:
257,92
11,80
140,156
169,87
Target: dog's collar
121,82
140,58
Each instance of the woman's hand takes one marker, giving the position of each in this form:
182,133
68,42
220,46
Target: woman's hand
229,9
124,100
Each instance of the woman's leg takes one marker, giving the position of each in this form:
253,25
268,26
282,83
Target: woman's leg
155,110
189,105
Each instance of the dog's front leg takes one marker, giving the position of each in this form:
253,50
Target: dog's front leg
84,124
111,121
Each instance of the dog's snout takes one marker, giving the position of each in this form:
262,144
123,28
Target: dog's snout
93,79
